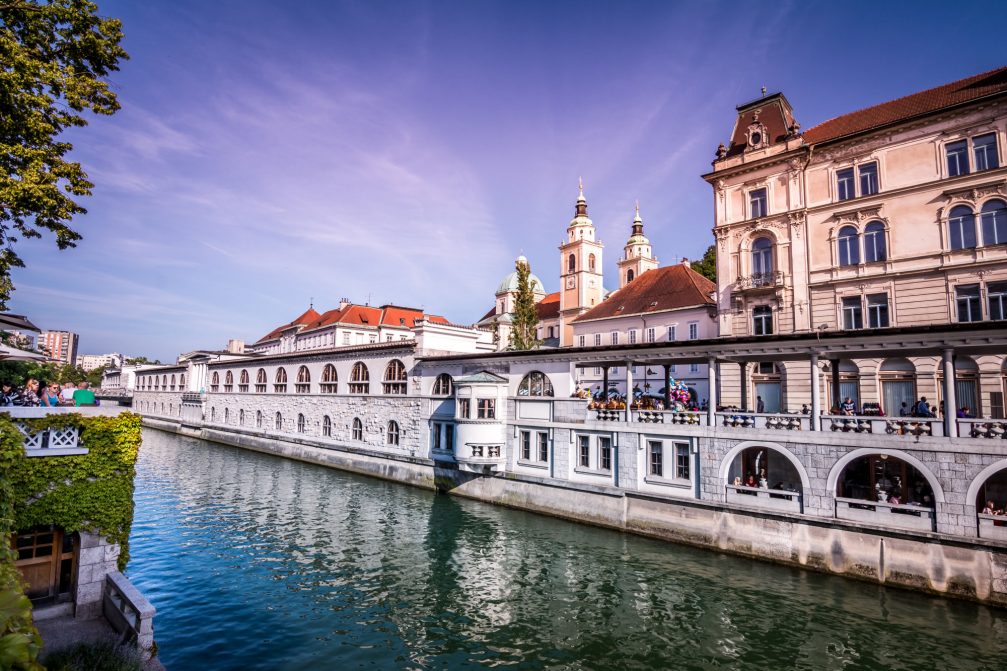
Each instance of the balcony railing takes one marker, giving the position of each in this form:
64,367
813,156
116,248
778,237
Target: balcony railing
54,442
760,281
681,417
775,499
128,611
993,527
892,426
773,421
982,428
906,516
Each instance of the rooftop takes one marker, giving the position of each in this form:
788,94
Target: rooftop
668,288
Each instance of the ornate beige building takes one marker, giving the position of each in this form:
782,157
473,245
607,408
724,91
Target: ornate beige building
891,216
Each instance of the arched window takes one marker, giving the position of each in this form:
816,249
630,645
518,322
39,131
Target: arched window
875,248
227,415
395,378
241,418
280,381
181,382
360,379
962,228
329,379
762,256
278,422
243,381
591,262
171,408
327,426
994,218
164,382
358,429
173,383
260,381
393,433
535,384
442,385
303,384
849,246
571,263
258,419
629,275
213,413
300,423
215,381
228,382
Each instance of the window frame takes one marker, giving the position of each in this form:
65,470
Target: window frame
486,408
758,196
972,301
875,310
852,309
848,246
762,314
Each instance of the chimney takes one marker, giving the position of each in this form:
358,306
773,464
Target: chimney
685,260
344,303
235,346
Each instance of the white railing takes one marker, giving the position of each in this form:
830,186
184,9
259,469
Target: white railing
777,499
753,420
982,428
128,611
907,516
682,417
992,526
892,426
609,415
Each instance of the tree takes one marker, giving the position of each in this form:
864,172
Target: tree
707,266
525,325
55,58
141,360
94,376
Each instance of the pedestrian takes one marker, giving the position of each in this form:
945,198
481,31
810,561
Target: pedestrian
760,405
66,396
50,395
9,394
30,395
904,410
922,409
83,395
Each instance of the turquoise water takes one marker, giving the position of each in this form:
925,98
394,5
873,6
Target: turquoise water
255,562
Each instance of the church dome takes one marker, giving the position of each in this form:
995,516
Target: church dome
509,283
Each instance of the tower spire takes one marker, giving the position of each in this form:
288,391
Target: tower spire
581,200
637,221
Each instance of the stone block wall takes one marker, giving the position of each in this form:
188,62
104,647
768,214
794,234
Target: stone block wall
97,559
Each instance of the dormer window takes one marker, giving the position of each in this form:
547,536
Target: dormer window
756,133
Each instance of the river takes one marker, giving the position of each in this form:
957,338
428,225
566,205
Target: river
256,562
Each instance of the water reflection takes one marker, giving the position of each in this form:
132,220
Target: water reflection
256,562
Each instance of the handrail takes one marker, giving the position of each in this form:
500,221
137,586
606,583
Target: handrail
128,611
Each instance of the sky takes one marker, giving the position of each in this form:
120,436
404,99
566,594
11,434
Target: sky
271,154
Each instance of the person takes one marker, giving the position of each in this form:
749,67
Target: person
760,405
904,410
990,508
83,395
848,407
922,409
894,499
737,482
750,482
9,394
29,397
805,410
66,396
50,396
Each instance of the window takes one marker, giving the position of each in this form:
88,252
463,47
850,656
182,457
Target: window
330,380
300,423
849,246
449,437
278,422
526,445
853,317
173,381
632,336
597,340
581,341
346,338
241,418
693,367
303,384
591,262
360,379
629,276
962,228
682,461
762,256
656,451
327,426
651,334
443,385
984,150
605,453
280,381
614,337
877,311
535,384
395,378
757,201
486,408
214,381
260,381
543,446
996,293
181,382
868,179
844,184
874,242
584,451
762,320
969,308
243,381
994,222
393,433
571,263
958,158
228,382
464,408
693,330
672,333
258,419
227,414
358,429
213,413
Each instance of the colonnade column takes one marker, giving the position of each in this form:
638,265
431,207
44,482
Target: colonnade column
604,383
816,401
711,406
667,387
950,404
629,390
834,365
744,384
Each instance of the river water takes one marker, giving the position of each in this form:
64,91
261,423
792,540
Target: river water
256,562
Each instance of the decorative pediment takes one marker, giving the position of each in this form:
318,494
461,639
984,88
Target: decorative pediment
756,135
974,194
857,216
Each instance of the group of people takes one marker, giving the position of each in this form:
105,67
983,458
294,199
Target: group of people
991,509
38,394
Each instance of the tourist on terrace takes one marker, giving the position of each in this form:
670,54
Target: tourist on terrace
66,396
760,405
805,410
990,508
922,409
750,482
894,498
848,407
904,410
50,395
30,395
83,395
9,394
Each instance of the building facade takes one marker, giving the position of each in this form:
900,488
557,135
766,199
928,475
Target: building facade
61,346
89,362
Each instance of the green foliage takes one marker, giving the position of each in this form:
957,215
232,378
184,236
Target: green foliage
94,376
101,655
525,326
707,266
55,58
48,371
140,360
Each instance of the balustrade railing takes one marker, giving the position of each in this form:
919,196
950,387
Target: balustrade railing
759,281
777,499
905,515
982,428
610,415
773,421
128,611
992,526
893,426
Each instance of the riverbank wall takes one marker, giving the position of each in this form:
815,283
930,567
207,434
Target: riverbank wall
969,568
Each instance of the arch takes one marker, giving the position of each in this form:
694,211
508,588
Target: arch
213,413
360,379
962,227
258,419
875,242
260,380
181,381
980,479
994,222
848,246
725,464
762,255
215,381
280,380
535,383
629,275
303,384
330,379
241,417
243,380
327,426
358,429
228,381
591,263
897,365
843,462
301,423
393,434
443,385
227,415
571,263
395,378
278,422
164,382
173,382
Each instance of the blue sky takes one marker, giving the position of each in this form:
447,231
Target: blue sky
406,152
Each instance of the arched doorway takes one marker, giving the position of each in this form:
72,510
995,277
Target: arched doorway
898,386
989,494
885,487
47,558
764,475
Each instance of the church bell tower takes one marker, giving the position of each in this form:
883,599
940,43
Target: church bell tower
580,270
638,255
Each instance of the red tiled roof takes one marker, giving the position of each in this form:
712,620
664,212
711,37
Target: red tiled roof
668,288
548,307
359,315
304,319
949,95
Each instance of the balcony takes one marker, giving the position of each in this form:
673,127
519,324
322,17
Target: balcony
772,421
993,527
905,515
982,428
759,497
57,441
759,281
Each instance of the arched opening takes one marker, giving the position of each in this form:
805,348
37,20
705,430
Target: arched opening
228,382
47,558
243,381
848,243
535,383
214,381
360,379
989,494
629,276
227,415
301,423
764,475
241,417
591,262
443,385
303,384
173,383
762,257
278,422
393,433
898,387
258,419
571,263
181,382
280,381
994,222
260,381
330,379
875,245
395,378
885,487
327,426
358,429
962,228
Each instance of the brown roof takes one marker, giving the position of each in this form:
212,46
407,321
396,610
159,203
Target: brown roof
548,307
668,288
304,319
962,91
359,315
